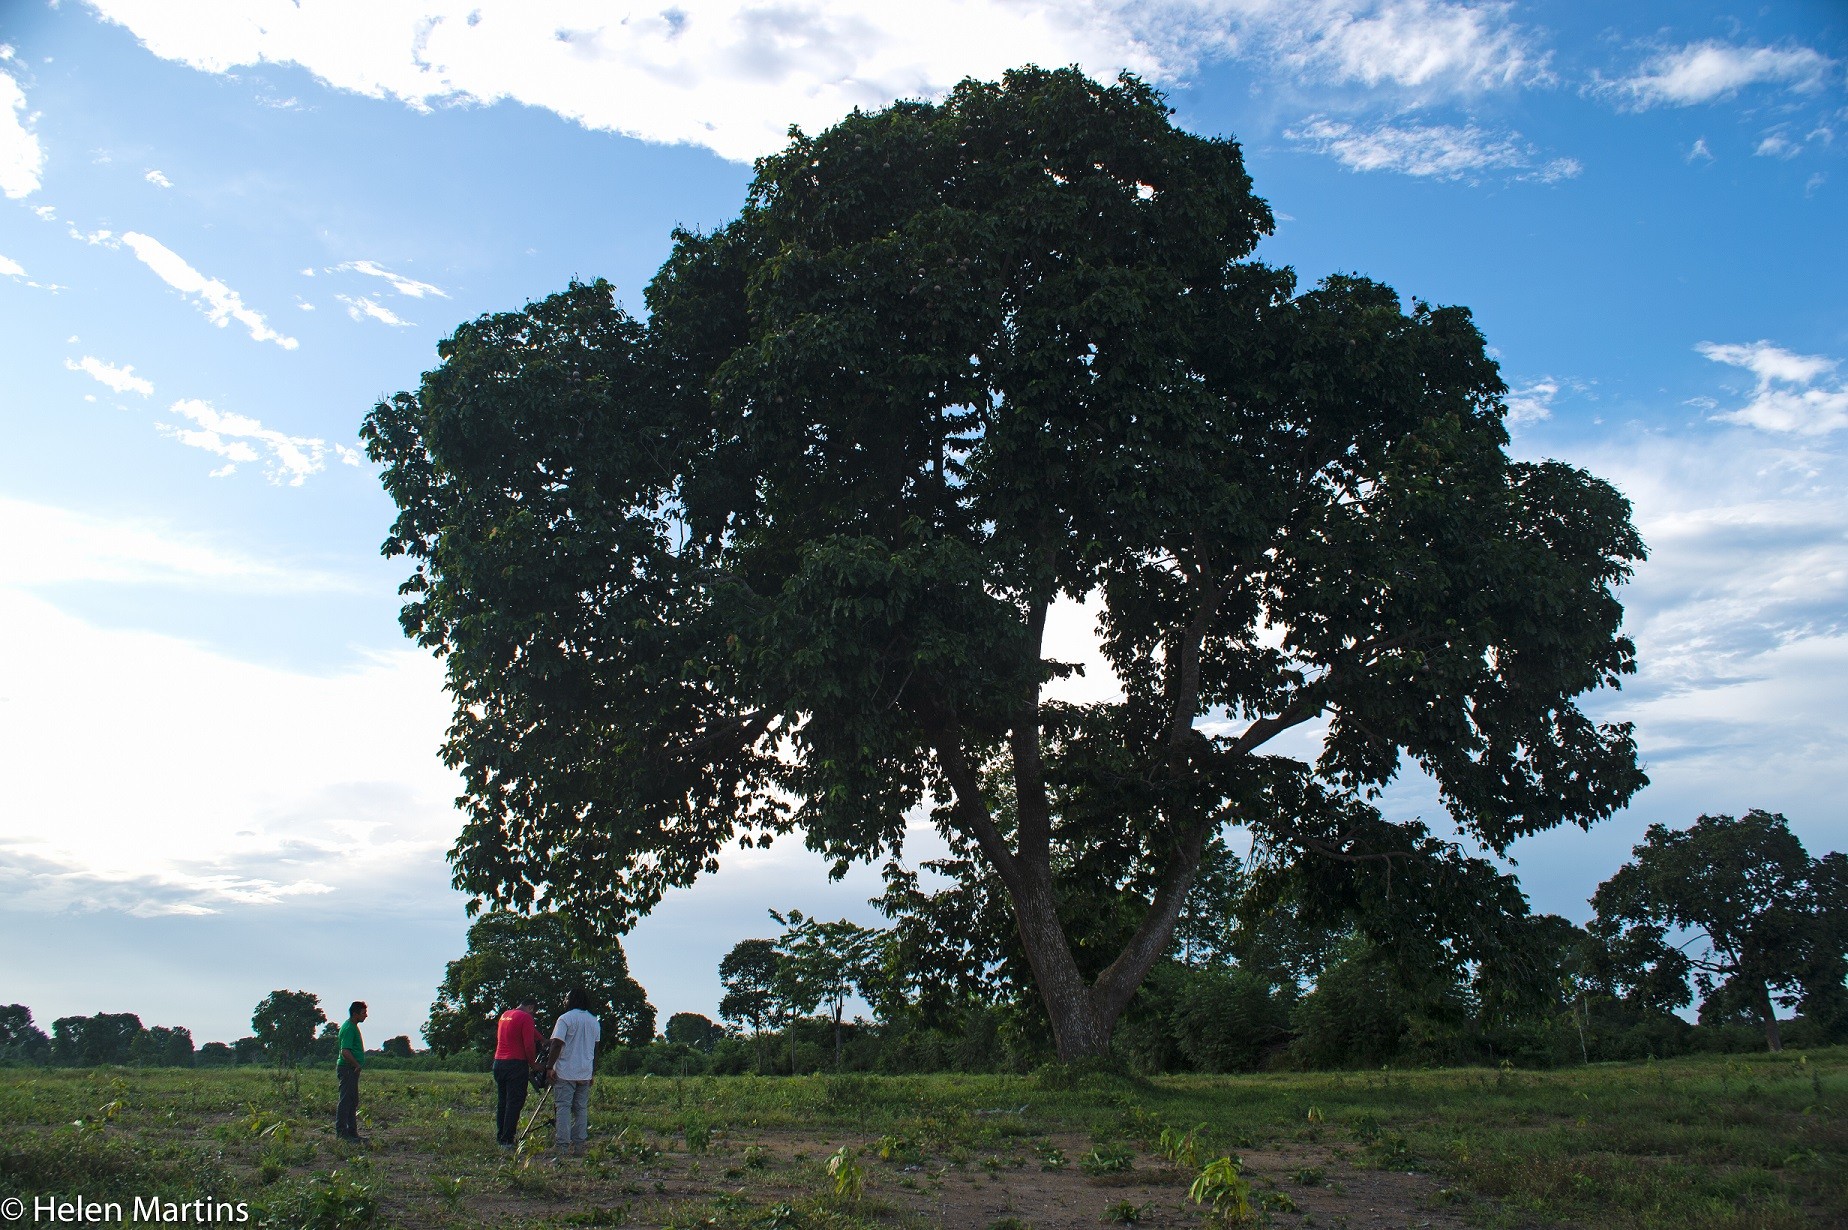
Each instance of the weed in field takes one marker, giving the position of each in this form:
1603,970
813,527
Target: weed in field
1106,1159
1051,1157
847,1175
331,1201
1310,1176
1224,1191
755,1158
616,1216
1277,1202
1008,1223
1124,1213
1182,1149
698,1135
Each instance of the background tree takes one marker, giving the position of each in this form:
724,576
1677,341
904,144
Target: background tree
752,976
1764,917
92,1041
398,1047
20,1040
215,1055
162,1046
284,1023
513,957
694,1030
783,559
823,963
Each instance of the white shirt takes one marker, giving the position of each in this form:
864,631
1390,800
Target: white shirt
579,1031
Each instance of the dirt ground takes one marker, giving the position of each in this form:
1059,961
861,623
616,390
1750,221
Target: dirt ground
1019,1185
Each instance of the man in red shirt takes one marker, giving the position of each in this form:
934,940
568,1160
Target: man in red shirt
516,1046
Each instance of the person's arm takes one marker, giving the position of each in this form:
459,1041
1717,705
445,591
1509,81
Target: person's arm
346,1052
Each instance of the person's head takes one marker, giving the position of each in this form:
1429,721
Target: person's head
357,1010
528,1005
578,997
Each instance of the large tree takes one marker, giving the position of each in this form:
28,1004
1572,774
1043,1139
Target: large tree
541,957
285,1023
782,559
1758,920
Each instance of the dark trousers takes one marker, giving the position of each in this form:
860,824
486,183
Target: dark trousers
346,1114
510,1081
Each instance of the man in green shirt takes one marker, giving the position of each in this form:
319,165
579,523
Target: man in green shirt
346,1067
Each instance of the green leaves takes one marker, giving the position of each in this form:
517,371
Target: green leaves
781,559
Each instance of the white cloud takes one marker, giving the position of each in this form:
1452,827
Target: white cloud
1439,151
1411,43
237,438
230,784
220,303
1700,150
1792,395
1776,145
121,379
399,283
43,545
157,179
1532,403
1704,72
365,308
22,158
11,268
732,75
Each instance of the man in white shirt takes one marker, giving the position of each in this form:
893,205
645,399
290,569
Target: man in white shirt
572,1060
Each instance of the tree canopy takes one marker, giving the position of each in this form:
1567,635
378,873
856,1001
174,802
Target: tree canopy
285,1023
1765,923
512,958
782,558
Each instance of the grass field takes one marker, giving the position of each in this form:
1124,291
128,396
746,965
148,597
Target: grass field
1710,1142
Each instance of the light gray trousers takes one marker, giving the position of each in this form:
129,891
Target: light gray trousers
572,1100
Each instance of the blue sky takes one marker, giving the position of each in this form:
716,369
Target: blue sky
226,228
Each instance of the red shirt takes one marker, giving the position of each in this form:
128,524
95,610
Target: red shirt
518,1038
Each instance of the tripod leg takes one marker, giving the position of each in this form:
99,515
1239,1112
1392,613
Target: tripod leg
545,1095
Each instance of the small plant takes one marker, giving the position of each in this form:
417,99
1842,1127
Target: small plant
1182,1148
1278,1202
1310,1176
1224,1191
755,1158
1123,1213
781,1216
698,1136
327,1202
450,1188
1106,1159
848,1175
1008,1223
1051,1157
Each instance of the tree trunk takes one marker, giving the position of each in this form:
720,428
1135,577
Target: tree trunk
1078,1031
1773,1042
837,1035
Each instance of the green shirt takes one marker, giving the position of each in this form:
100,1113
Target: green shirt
349,1041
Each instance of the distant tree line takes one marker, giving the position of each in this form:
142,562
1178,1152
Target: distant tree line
1268,969
289,1029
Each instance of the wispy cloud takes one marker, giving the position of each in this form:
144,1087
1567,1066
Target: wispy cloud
363,307
1413,44
220,303
240,439
399,283
121,379
732,75
157,179
44,545
1532,403
11,268
1437,151
1794,394
22,158
1712,70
